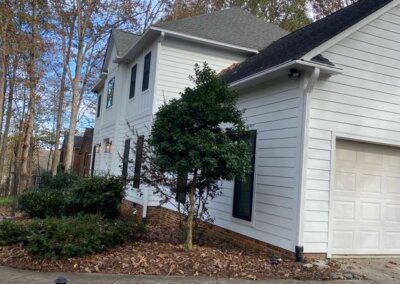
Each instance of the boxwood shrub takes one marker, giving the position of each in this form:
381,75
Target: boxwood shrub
64,196
69,236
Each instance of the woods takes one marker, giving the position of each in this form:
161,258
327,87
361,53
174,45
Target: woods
51,54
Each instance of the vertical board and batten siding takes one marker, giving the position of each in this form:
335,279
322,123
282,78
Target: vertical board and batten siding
176,63
363,101
275,111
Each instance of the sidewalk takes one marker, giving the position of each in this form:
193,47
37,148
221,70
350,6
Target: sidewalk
16,276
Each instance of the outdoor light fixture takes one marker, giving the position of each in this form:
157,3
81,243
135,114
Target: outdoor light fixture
108,146
98,148
294,73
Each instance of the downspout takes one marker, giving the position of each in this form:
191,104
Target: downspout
309,86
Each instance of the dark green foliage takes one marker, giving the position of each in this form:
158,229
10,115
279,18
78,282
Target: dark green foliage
69,236
60,181
67,196
202,130
12,232
96,195
42,202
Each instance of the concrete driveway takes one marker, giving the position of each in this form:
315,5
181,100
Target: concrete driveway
385,270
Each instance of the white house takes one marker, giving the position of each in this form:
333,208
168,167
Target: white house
324,102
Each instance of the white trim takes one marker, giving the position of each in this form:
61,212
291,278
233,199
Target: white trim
305,127
351,137
328,44
208,41
289,64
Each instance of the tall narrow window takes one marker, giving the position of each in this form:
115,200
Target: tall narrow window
93,160
138,161
133,82
243,191
125,159
110,92
146,72
98,106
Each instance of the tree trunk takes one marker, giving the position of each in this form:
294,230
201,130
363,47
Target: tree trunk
4,142
67,51
24,174
192,205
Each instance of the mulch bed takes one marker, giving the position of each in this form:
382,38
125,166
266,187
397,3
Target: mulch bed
160,253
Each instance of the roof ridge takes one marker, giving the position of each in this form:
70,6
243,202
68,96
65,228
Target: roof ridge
124,31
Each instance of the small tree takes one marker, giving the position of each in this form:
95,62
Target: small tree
200,138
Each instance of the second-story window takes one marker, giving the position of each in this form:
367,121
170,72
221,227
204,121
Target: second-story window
146,72
133,82
98,106
110,92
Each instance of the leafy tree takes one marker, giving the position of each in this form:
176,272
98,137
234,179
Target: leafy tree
289,14
200,136
323,8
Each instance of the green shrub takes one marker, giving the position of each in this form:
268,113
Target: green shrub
96,195
92,195
12,232
78,236
42,203
6,200
69,236
60,181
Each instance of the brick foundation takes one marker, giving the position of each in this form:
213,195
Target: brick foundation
169,218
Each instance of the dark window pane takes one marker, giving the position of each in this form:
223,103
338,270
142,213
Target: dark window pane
146,72
99,106
243,191
93,160
125,159
110,92
138,161
133,82
181,188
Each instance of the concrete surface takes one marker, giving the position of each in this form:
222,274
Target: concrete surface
376,270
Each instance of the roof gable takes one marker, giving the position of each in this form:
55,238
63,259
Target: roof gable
299,43
231,26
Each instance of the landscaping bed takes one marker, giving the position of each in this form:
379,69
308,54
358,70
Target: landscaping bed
156,257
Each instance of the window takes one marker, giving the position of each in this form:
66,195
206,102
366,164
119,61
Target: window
146,72
181,188
98,105
125,159
110,92
243,191
133,82
138,161
93,160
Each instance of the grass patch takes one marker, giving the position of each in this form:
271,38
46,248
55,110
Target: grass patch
6,200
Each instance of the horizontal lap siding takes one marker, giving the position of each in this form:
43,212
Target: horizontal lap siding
363,101
274,110
176,64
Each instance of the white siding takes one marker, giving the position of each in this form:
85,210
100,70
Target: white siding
275,111
176,64
363,101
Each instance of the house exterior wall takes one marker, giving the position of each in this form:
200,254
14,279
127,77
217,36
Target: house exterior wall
363,102
275,111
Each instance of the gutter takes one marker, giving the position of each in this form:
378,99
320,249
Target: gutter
100,83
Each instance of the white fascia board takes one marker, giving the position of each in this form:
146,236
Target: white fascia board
271,72
206,41
328,44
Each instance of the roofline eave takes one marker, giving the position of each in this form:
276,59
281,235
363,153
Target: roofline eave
281,69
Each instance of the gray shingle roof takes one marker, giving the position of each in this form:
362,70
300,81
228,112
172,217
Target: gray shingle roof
232,26
124,41
302,41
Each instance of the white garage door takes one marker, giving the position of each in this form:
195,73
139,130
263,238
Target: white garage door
366,199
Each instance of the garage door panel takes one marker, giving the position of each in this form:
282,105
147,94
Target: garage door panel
366,199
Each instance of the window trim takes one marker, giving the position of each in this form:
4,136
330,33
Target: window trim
253,138
110,94
146,72
132,91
